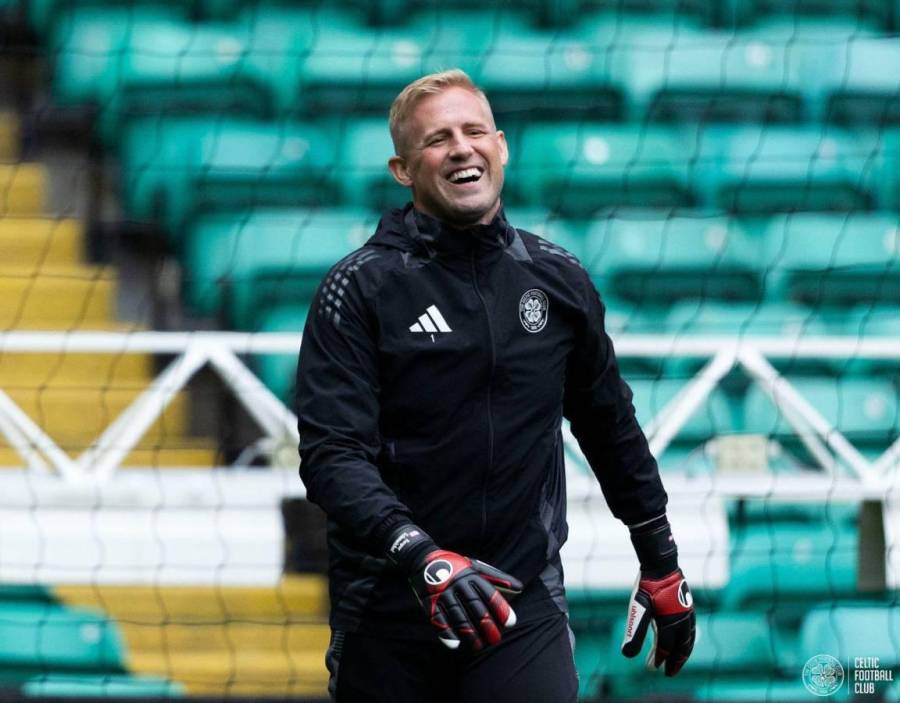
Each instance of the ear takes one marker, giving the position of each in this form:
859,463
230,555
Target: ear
398,168
504,147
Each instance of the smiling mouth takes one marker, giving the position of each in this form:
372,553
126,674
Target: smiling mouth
465,175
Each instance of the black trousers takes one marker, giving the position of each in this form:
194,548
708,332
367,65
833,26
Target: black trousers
534,663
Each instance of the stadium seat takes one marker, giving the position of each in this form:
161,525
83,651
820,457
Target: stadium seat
889,172
710,76
365,181
865,410
36,637
707,317
181,68
44,15
728,646
279,371
176,169
531,73
876,13
68,685
765,168
644,256
834,260
88,47
783,566
717,415
568,234
853,629
241,263
859,89
579,169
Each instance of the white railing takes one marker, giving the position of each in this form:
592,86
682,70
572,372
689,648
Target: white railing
81,520
220,351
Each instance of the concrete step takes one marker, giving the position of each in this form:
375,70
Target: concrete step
81,297
244,672
194,453
75,416
9,136
35,242
297,597
61,369
23,189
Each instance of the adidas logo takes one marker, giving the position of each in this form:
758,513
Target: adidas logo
429,322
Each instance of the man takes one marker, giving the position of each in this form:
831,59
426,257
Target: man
437,364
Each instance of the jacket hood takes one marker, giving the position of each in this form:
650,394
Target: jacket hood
412,231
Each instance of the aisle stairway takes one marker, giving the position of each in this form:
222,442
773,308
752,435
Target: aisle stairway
221,640
45,285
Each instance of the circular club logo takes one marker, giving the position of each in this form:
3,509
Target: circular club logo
437,572
533,308
823,675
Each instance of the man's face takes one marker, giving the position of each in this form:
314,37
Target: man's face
454,158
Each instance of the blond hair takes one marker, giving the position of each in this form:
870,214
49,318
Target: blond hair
432,84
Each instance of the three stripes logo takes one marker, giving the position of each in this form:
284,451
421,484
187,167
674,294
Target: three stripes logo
429,322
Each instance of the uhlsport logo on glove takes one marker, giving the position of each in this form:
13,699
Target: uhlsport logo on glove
685,599
438,572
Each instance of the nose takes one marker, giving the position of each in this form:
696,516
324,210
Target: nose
461,147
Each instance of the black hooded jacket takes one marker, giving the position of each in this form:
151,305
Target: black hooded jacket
435,370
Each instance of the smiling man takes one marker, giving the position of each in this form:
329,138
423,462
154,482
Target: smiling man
438,362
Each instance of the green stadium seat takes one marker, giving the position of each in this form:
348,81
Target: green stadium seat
834,260
706,317
365,181
852,630
783,688
761,512
45,15
717,415
39,637
279,371
241,263
649,257
580,168
882,14
568,234
531,73
860,89
865,410
173,170
873,321
765,168
783,566
889,173
350,68
710,76
88,46
729,646
182,68
54,685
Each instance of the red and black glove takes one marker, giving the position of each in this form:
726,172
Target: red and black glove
462,597
662,598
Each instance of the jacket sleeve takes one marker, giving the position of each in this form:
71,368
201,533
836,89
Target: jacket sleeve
598,404
338,411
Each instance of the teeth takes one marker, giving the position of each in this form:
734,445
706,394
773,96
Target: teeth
465,173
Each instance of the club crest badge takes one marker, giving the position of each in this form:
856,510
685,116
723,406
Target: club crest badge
533,310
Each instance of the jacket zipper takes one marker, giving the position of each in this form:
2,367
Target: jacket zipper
490,421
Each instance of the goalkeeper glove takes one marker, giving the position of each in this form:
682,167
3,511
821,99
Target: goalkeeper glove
462,597
662,598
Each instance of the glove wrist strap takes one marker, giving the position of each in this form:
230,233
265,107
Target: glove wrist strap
407,545
655,547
